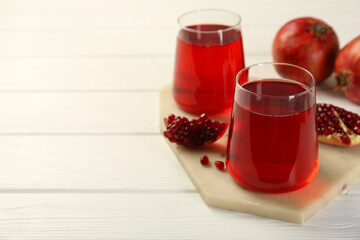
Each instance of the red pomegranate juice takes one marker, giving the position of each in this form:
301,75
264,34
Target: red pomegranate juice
206,67
273,143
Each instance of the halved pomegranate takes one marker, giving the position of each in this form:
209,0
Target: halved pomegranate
337,126
193,133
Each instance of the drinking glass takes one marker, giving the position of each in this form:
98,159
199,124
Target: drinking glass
209,54
272,144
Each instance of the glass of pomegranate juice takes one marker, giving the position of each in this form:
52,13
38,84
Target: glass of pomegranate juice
272,145
209,54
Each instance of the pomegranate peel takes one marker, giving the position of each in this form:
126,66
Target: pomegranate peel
193,133
337,126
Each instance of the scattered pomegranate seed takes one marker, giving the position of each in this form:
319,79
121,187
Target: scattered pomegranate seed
193,133
220,165
204,160
337,126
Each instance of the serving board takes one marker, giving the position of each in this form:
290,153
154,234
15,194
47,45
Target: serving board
339,168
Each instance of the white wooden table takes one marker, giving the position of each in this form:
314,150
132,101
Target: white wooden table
81,155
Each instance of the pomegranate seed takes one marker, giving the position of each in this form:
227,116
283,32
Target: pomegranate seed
204,160
325,132
171,118
193,133
331,130
357,130
345,139
220,165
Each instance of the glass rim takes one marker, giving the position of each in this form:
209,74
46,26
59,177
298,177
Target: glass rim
233,26
310,87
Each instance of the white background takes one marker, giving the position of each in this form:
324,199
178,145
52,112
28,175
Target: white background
81,155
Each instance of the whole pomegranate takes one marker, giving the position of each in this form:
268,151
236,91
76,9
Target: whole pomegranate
309,43
347,70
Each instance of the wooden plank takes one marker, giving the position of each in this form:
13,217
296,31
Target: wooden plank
113,13
122,41
91,73
79,112
121,112
90,163
87,42
85,73
39,28
159,216
93,164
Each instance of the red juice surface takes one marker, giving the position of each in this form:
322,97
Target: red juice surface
206,67
273,143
